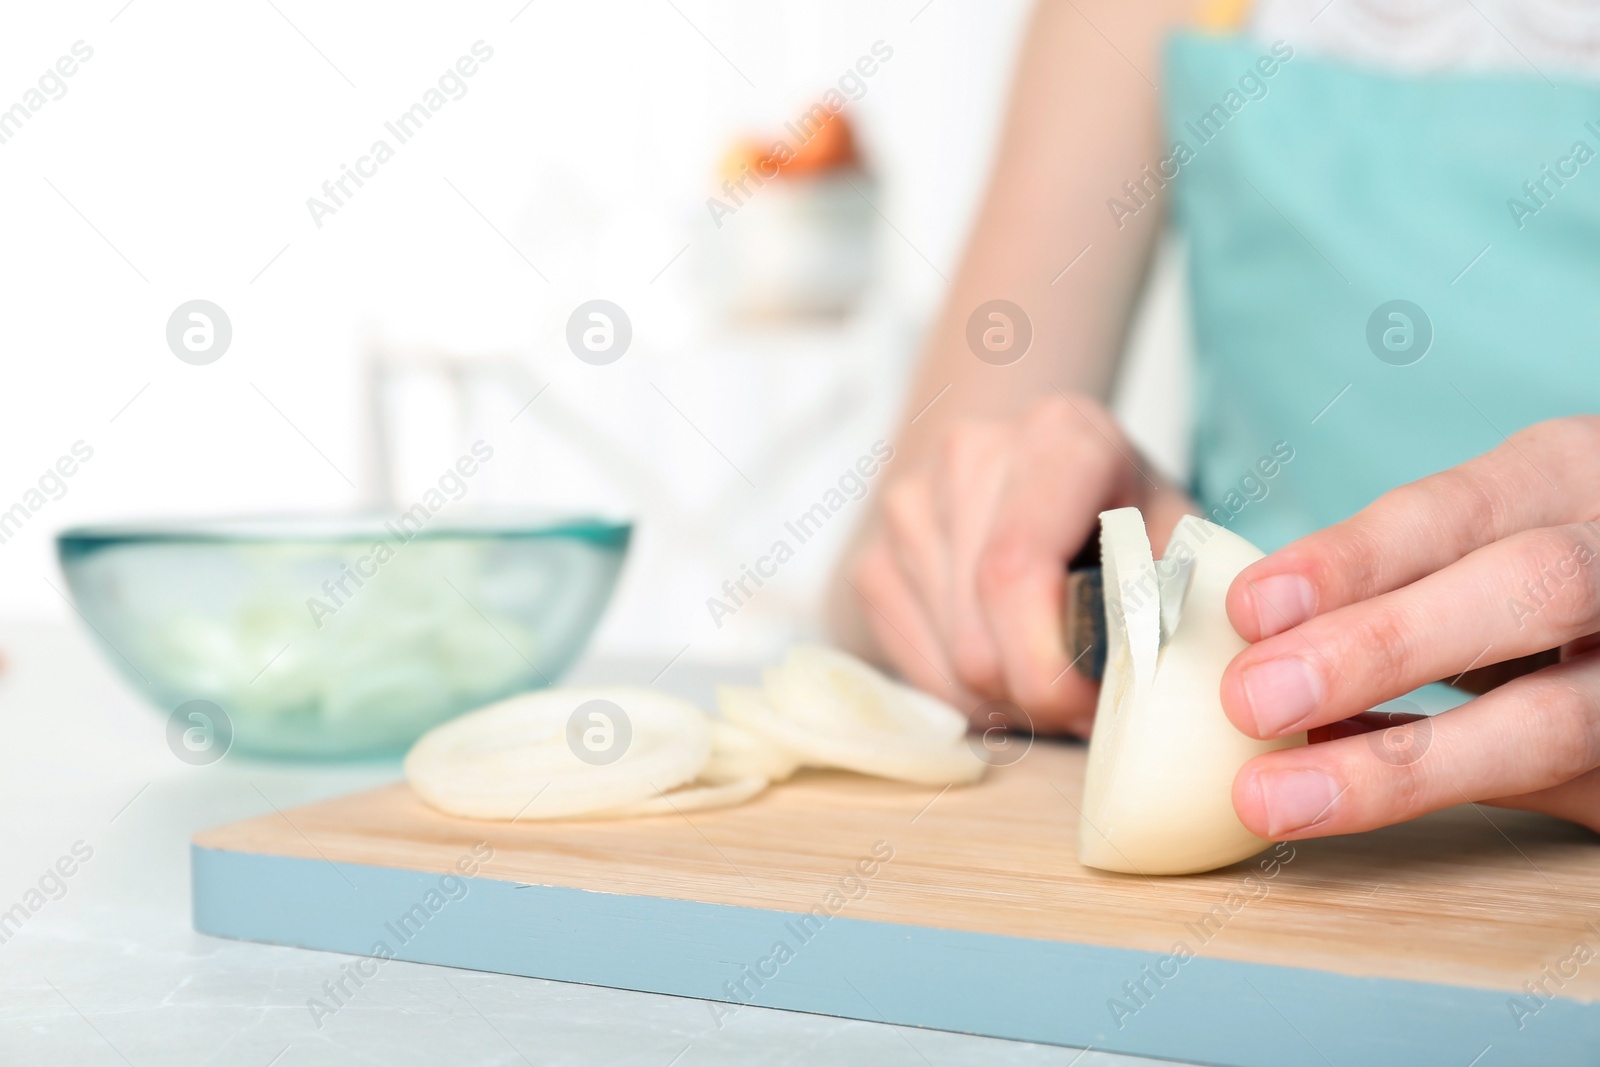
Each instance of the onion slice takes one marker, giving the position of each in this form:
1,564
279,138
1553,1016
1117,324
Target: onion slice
696,796
520,758
531,756
835,711
1132,593
838,693
737,750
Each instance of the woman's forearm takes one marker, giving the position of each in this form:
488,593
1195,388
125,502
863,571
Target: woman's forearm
1083,119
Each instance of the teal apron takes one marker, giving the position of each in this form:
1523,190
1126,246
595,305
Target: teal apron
1388,273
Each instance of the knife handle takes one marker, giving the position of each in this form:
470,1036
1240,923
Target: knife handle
1084,622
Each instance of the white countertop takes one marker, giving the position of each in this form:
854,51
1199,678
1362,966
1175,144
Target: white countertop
111,972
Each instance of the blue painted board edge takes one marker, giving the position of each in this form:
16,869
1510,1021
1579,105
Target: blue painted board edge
1199,1009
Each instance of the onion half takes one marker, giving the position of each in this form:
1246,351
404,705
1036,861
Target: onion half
1158,794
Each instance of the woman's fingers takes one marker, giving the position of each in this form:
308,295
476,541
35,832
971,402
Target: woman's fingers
964,583
902,627
1533,591
969,476
1576,801
1539,477
1065,472
1518,741
915,540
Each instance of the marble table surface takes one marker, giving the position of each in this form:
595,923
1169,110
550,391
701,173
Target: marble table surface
109,971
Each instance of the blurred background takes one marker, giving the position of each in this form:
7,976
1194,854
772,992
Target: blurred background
772,329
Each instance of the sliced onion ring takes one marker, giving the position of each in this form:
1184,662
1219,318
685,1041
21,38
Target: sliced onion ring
835,711
513,759
840,694
739,750
697,796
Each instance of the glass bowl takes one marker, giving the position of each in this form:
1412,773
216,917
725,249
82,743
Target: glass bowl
328,638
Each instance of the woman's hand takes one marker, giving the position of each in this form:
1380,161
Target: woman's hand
961,589
1492,560
962,578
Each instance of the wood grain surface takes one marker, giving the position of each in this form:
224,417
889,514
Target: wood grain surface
1473,896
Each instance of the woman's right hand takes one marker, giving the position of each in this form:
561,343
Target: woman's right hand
962,577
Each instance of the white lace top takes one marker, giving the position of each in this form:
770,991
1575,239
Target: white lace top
1551,38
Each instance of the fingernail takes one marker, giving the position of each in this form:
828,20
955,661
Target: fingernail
1282,692
1296,799
1282,601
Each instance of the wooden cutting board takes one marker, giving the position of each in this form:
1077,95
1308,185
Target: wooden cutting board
1468,937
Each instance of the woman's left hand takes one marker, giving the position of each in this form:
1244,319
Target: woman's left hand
1493,560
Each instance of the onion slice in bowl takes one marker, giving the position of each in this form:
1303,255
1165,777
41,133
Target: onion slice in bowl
558,753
